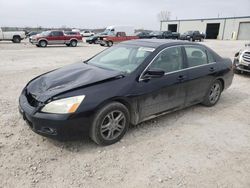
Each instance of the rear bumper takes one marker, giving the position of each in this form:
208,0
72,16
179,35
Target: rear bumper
52,125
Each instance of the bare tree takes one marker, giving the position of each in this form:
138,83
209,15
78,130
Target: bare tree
164,15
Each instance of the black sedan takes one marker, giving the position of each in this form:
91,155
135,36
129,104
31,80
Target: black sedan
125,84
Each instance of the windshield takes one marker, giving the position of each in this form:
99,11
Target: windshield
121,58
109,32
156,33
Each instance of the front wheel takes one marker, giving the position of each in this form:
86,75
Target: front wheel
110,124
109,43
213,94
42,43
16,39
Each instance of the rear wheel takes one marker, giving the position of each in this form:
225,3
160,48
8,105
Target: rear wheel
109,43
73,43
43,43
110,124
16,39
213,94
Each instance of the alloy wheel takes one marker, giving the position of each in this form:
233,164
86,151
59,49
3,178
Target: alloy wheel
113,125
214,93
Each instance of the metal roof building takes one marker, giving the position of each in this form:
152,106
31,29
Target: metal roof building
230,28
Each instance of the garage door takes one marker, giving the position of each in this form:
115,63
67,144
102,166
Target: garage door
244,31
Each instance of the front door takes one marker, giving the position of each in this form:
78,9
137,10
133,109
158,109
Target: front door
167,93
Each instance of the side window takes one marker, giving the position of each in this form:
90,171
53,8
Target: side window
169,60
196,56
210,57
57,33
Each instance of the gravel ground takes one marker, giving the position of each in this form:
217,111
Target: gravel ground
194,147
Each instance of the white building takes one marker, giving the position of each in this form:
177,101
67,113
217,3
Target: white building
231,28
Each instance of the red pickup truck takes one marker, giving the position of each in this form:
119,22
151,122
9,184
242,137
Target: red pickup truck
55,37
120,36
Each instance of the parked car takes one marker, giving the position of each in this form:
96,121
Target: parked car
143,35
242,60
87,33
32,33
126,84
155,34
192,36
96,38
170,35
71,33
14,36
164,35
55,37
110,31
120,37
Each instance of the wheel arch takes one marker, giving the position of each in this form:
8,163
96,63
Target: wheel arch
16,36
222,82
126,103
42,40
73,39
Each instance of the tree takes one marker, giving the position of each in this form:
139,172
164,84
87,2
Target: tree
164,15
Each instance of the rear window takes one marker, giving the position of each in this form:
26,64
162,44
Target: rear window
196,56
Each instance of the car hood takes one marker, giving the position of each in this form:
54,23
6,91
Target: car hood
68,78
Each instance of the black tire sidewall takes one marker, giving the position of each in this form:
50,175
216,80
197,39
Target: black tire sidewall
110,43
72,43
207,102
16,39
40,42
95,133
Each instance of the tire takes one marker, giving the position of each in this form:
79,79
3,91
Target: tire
73,43
102,133
42,43
213,94
16,39
109,43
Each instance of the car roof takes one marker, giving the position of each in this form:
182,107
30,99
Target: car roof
155,43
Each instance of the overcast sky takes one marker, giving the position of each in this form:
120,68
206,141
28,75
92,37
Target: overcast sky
101,13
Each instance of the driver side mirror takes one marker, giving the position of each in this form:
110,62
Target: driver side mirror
153,73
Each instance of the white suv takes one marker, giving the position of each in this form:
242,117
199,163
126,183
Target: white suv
242,60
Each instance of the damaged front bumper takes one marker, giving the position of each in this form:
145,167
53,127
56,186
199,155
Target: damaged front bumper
241,66
51,125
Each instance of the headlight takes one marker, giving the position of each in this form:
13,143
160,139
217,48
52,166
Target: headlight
64,106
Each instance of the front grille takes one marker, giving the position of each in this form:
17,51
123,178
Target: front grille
246,57
32,100
244,67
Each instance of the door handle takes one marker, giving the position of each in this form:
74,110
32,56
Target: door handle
181,77
211,69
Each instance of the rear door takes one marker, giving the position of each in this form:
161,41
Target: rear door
201,71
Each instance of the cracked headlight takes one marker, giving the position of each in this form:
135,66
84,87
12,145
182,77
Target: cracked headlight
63,106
